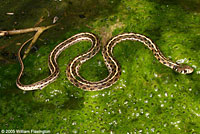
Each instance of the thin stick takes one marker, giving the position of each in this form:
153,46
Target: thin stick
21,31
38,30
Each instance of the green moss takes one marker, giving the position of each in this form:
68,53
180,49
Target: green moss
148,98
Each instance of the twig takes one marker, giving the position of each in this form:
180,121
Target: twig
40,20
38,30
21,31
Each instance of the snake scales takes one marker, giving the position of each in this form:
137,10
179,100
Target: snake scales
72,70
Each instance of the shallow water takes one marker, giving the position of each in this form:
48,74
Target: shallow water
148,98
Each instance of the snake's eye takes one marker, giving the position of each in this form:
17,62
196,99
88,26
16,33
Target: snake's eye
185,71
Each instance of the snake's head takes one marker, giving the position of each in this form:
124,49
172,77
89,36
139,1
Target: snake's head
184,69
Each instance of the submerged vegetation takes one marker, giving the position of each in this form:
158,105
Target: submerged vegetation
148,98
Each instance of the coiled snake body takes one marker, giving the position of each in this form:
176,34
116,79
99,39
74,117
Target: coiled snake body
72,70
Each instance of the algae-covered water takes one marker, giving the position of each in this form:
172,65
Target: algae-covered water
148,98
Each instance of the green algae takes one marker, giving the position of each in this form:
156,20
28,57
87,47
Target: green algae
148,98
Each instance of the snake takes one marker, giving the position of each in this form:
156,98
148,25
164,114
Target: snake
111,63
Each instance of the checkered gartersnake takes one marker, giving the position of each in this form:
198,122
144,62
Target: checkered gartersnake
112,65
